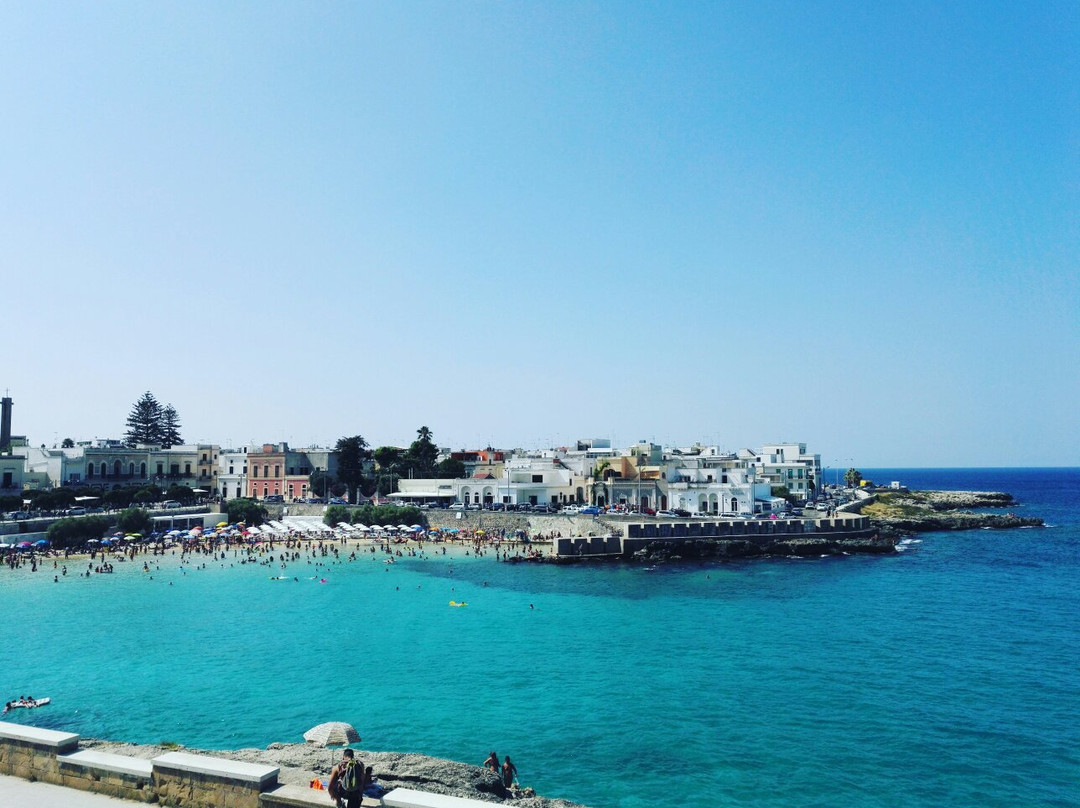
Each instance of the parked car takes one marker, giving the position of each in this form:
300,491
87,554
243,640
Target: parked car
457,506
680,512
268,498
78,511
591,510
571,509
666,514
338,501
172,504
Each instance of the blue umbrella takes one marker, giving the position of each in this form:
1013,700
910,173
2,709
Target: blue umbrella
106,541
41,543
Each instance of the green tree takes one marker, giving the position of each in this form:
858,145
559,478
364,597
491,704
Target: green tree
352,452
181,493
77,530
135,520
422,454
245,510
389,458
450,469
67,444
149,493
335,514
120,497
852,478
144,421
387,484
783,492
169,427
319,483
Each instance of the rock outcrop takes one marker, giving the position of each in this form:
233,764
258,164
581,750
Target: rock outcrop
301,763
903,512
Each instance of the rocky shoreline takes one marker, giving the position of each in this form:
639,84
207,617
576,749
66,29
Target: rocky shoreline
300,763
901,513
721,549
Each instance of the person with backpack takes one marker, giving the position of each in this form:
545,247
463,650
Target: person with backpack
347,780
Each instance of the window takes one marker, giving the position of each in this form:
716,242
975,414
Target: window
537,478
254,471
187,468
277,471
266,471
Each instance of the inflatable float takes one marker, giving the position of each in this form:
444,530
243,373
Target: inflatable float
12,705
456,603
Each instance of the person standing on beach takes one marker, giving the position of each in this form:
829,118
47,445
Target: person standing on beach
492,762
347,780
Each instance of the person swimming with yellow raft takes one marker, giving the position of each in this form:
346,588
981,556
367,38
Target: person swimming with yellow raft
457,603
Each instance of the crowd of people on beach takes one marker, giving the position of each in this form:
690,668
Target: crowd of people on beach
280,552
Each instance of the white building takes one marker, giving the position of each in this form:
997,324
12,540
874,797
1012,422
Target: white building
716,483
788,465
232,473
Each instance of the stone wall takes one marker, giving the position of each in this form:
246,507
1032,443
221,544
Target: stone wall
175,778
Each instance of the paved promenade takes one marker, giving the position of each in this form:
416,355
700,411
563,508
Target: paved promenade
18,793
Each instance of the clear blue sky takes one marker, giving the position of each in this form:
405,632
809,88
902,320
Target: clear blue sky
851,224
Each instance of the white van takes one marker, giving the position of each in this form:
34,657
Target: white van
170,504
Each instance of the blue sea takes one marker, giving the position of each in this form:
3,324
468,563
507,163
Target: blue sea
944,675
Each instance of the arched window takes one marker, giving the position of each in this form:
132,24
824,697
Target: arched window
104,473
118,468
131,469
142,469
90,470
734,505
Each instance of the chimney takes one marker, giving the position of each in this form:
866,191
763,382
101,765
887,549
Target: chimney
5,424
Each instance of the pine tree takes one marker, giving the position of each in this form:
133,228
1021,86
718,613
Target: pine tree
144,421
170,427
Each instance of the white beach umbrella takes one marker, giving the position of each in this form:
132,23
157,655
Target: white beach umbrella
332,733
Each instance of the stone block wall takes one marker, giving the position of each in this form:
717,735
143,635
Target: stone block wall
31,753
112,784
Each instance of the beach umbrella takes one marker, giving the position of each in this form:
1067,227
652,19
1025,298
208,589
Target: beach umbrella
332,733
24,545
41,543
107,541
222,524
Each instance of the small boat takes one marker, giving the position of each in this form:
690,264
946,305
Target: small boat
35,703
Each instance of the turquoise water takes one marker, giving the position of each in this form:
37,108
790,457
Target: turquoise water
944,675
